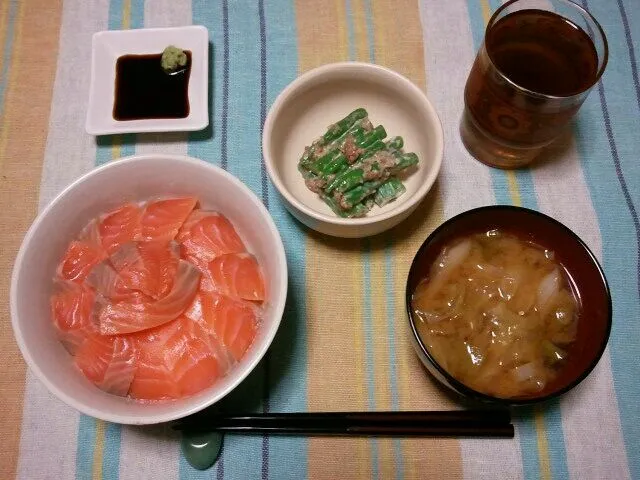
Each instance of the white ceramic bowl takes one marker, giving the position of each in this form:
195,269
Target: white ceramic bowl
135,178
320,97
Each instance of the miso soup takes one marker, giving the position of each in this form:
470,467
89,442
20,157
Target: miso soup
498,313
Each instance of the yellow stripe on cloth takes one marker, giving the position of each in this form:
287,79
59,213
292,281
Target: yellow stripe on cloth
359,15
334,285
543,444
98,451
22,143
399,45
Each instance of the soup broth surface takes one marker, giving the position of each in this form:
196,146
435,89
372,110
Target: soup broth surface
498,313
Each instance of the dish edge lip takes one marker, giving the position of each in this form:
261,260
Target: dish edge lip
468,392
298,83
179,124
132,419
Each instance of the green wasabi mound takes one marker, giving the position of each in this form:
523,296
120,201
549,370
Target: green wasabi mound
173,58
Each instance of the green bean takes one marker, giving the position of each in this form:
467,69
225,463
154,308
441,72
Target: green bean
337,129
334,205
389,190
358,210
405,161
323,161
347,180
305,172
377,133
396,143
357,194
334,165
351,185
356,131
373,148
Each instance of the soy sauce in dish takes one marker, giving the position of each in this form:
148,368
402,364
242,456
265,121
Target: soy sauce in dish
144,91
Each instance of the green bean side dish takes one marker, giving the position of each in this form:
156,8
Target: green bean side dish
352,168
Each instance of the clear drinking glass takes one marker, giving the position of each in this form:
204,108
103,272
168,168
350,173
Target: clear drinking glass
536,66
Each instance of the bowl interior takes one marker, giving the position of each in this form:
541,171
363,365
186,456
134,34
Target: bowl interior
594,323
326,97
135,179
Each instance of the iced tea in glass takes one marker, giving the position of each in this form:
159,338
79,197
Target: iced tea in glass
532,73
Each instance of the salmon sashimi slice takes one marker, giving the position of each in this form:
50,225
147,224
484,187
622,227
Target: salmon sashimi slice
71,310
108,362
162,219
174,360
190,359
153,380
126,317
237,275
194,217
110,286
154,271
120,226
194,312
78,260
211,236
125,256
232,321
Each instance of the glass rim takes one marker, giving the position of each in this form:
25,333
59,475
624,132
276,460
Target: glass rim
585,13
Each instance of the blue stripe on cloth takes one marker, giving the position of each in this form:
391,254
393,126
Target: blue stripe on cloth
288,353
211,144
240,144
370,35
633,64
552,413
111,452
113,432
367,319
524,424
613,174
7,50
555,439
526,188
265,199
350,30
367,324
390,299
84,451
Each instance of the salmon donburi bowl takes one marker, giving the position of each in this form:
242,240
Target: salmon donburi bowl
148,289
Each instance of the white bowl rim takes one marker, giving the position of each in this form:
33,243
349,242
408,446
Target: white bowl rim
162,417
323,70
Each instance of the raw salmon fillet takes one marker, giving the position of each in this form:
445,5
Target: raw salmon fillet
237,275
71,310
78,260
157,301
109,362
154,270
232,321
174,360
120,226
162,219
128,317
210,236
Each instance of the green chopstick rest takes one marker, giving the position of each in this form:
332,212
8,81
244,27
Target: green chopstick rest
201,449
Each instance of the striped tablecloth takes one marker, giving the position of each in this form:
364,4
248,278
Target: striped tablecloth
338,348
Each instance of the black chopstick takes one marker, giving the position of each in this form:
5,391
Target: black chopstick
454,423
